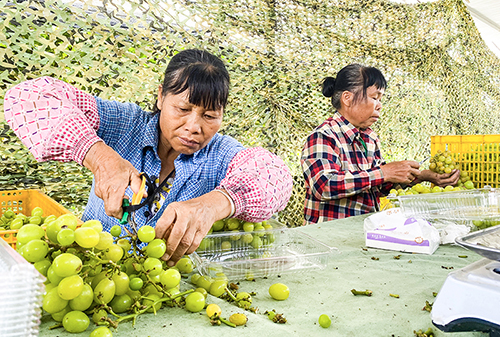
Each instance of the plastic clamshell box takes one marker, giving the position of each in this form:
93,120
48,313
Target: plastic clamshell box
478,155
476,204
21,294
23,201
288,251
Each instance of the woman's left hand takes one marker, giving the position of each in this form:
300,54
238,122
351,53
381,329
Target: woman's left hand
438,179
184,224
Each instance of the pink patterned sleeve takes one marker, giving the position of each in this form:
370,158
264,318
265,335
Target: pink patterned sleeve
259,183
53,119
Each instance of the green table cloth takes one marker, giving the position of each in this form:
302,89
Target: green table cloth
414,277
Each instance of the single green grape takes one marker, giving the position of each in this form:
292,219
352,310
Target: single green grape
195,302
68,220
185,265
152,266
204,282
116,231
124,244
203,291
279,291
113,253
105,240
86,237
232,224
99,316
101,331
70,287
35,250
30,232
121,303
9,214
42,266
16,223
146,234
66,236
156,248
49,219
37,211
136,283
66,264
35,220
248,226
75,321
122,283
218,225
218,288
52,302
95,224
170,278
324,321
104,291
225,246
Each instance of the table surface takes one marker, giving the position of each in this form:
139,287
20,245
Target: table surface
414,277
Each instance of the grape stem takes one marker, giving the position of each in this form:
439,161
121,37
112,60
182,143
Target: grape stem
226,322
360,292
145,308
59,325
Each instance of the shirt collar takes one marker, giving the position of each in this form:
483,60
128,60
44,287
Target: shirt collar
150,134
349,130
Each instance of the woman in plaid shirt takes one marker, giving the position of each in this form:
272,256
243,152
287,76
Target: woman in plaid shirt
345,173
204,175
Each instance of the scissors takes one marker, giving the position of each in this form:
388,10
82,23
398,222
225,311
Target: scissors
424,160
128,207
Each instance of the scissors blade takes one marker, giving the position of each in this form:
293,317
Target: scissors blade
424,160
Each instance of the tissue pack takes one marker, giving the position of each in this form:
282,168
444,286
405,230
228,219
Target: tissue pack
391,230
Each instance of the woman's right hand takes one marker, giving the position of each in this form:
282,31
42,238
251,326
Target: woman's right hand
403,172
112,175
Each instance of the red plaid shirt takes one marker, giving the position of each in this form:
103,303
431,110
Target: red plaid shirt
340,179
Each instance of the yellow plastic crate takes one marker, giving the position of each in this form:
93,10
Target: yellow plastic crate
478,155
23,201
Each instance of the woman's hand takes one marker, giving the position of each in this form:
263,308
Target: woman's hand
184,224
112,175
403,172
438,179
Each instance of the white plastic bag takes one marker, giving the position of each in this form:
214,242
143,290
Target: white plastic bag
391,230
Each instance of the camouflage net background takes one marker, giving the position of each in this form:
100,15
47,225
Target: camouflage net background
442,78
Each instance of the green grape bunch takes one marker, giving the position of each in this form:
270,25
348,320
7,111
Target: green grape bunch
97,280
443,162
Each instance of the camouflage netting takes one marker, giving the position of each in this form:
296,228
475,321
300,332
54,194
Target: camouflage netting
443,80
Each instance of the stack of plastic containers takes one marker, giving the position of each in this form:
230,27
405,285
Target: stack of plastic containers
21,292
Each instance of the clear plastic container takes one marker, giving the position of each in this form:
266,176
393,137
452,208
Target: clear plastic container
477,204
21,294
282,250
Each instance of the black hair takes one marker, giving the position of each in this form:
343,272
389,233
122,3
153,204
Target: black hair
354,78
204,76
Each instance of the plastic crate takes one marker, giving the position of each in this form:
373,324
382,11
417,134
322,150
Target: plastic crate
23,201
478,155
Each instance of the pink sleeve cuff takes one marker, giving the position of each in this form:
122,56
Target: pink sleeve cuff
53,119
259,183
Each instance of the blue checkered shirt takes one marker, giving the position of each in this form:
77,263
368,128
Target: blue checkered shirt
133,134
